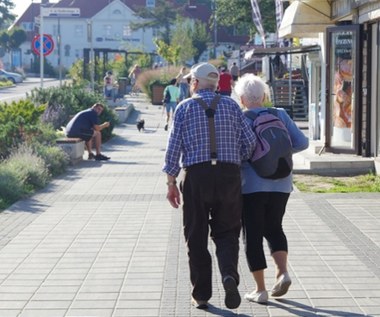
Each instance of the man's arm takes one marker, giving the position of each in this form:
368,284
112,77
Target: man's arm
173,194
102,126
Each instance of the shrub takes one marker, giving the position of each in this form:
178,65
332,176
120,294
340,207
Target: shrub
64,102
56,160
29,167
11,186
18,122
160,76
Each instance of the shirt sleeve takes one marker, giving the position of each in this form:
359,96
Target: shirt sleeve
174,146
299,140
248,138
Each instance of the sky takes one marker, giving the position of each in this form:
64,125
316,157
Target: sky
22,5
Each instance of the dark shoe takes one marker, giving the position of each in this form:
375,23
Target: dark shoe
200,304
166,127
101,157
232,299
91,156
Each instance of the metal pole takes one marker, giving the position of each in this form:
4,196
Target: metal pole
59,53
41,46
92,59
215,30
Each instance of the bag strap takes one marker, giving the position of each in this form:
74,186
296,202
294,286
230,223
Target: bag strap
210,113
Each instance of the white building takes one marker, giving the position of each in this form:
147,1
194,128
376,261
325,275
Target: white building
110,22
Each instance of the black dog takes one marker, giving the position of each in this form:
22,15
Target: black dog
140,125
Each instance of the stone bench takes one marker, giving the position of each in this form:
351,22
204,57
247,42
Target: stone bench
74,147
123,112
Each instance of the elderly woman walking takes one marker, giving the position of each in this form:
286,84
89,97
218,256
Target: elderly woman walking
264,200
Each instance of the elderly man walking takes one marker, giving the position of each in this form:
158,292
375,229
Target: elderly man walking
211,186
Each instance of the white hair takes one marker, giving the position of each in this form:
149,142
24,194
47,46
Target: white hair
253,88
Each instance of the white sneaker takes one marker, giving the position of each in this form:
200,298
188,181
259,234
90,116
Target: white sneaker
282,285
257,297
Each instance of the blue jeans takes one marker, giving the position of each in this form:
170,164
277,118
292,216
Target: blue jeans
183,91
171,106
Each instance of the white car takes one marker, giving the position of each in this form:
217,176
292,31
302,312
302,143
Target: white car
13,77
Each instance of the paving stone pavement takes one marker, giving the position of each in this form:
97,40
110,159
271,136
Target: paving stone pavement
102,241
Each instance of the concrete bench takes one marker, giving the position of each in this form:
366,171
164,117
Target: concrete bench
123,112
74,147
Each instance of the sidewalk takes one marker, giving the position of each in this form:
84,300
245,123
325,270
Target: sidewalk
102,241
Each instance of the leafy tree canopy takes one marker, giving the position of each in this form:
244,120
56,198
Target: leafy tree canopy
200,37
239,14
10,40
5,15
162,16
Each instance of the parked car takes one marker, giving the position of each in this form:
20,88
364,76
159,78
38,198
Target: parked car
13,77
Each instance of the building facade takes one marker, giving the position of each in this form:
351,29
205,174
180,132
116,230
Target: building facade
348,79
105,24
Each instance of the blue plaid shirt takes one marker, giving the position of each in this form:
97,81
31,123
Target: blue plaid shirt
189,140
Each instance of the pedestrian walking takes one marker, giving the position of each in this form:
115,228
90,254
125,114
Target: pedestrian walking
264,200
225,82
235,72
211,185
171,96
182,84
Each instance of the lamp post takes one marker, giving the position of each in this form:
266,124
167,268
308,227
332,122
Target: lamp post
215,27
41,45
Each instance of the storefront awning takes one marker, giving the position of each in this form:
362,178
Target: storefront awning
305,18
260,52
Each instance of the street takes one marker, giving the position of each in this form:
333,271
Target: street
19,90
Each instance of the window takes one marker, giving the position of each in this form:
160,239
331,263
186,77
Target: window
27,26
78,30
155,31
67,50
55,30
150,3
107,29
116,12
127,30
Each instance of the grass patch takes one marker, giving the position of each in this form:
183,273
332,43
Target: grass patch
346,184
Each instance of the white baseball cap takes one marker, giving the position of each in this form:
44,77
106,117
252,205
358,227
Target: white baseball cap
204,71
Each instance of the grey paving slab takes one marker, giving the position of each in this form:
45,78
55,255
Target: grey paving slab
101,240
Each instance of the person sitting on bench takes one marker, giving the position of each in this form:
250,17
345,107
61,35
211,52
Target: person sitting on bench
85,125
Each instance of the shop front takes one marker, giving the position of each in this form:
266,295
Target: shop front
343,111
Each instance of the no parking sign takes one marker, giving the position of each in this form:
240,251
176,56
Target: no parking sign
47,42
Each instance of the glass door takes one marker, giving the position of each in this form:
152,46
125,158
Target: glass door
342,82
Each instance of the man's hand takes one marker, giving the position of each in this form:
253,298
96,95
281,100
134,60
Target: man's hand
174,196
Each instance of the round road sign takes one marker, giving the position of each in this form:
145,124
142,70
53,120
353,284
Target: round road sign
48,44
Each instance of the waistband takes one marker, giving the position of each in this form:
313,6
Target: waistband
209,164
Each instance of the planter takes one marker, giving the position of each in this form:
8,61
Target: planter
157,94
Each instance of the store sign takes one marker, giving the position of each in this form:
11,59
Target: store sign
343,45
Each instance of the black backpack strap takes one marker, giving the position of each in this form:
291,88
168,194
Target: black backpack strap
210,113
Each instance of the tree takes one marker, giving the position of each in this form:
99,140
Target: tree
169,52
239,15
182,37
200,37
162,16
16,38
6,16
